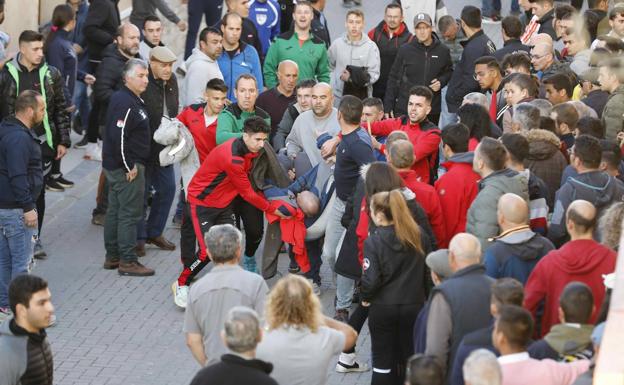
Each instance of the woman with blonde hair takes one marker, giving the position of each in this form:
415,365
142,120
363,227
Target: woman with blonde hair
610,226
392,284
300,341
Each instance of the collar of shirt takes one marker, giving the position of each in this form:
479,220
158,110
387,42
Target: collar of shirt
513,358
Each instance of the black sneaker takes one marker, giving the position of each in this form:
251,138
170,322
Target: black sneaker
77,124
64,182
342,315
54,185
83,142
293,267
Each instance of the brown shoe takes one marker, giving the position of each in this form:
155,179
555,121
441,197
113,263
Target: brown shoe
140,249
110,264
161,243
134,269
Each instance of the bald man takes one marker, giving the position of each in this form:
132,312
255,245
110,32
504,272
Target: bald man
544,61
276,100
321,119
516,250
581,259
460,304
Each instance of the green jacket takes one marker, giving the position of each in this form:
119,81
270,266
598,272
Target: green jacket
612,118
230,121
311,58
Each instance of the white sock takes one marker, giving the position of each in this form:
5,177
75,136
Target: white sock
347,358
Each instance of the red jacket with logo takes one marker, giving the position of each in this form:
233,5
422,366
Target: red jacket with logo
204,137
457,188
223,175
425,137
428,198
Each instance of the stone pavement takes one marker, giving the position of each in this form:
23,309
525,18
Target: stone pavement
121,330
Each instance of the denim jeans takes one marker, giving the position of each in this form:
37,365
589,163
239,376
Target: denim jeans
16,249
334,234
125,210
163,181
446,117
82,103
490,7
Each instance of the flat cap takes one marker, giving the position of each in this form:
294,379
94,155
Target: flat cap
162,54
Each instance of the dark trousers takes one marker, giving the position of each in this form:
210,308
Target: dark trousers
253,222
201,219
125,209
101,197
93,126
356,321
196,10
315,250
162,179
41,206
391,329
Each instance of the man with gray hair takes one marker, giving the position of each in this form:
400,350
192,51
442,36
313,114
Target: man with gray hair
476,98
525,117
460,304
241,334
226,286
124,156
482,368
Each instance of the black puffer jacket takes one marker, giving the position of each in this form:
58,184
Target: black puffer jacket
388,50
56,104
393,274
156,91
101,26
417,65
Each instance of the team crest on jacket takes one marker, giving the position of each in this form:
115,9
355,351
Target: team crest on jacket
365,264
143,114
261,18
491,46
120,123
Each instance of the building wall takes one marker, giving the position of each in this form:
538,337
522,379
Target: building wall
30,14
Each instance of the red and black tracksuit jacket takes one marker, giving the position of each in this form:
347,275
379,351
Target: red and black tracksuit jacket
223,175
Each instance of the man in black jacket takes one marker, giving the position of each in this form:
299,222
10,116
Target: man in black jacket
100,27
390,34
21,179
241,334
545,10
511,30
319,27
478,44
109,80
126,152
28,71
424,61
162,86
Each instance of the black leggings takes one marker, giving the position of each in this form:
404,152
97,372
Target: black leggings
391,328
253,220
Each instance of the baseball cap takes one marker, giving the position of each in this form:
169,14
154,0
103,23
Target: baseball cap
422,18
438,262
163,54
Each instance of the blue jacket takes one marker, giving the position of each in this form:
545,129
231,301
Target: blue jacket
127,133
77,36
245,61
515,255
21,174
266,16
61,54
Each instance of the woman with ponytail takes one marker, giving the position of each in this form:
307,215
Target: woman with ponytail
392,284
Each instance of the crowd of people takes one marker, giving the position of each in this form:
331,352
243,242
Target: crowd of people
468,198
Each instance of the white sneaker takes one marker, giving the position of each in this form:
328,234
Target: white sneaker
180,294
93,152
348,364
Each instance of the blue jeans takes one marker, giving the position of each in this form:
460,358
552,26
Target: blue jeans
196,10
446,117
490,7
82,102
163,181
16,249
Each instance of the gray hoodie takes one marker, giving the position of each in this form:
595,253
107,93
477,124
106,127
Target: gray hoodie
200,68
306,129
361,53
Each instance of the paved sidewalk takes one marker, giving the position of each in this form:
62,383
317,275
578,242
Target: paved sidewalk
121,330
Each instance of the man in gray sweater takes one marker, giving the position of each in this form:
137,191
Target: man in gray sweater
310,124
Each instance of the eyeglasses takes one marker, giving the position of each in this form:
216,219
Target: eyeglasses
478,75
538,57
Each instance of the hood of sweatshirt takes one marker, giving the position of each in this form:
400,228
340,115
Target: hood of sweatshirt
388,238
198,55
505,181
345,40
596,186
525,245
462,157
543,144
569,338
581,256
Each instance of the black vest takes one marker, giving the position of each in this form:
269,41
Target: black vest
468,295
